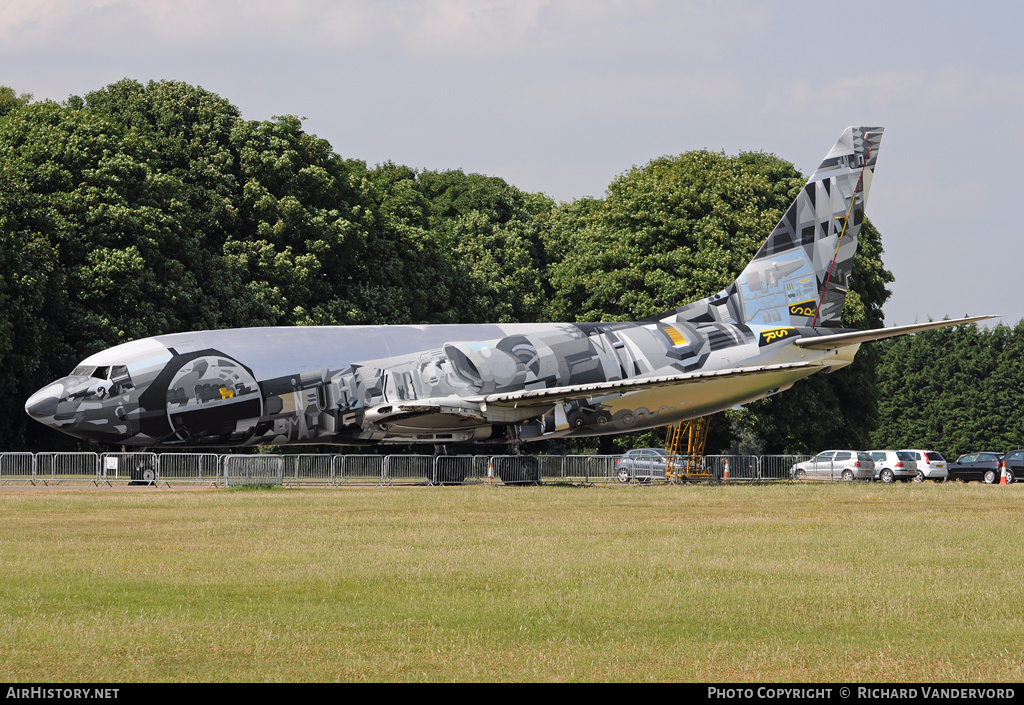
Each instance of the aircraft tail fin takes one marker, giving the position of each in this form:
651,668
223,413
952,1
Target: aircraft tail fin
801,274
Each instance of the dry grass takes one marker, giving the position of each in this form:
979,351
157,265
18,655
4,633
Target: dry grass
787,582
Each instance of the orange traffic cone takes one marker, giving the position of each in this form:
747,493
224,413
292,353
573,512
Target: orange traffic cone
725,475
1002,474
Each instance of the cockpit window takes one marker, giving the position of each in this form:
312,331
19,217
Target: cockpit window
100,372
83,370
120,377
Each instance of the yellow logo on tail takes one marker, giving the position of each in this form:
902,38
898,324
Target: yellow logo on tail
804,308
774,335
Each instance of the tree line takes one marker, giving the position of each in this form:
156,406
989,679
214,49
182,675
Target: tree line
954,390
142,209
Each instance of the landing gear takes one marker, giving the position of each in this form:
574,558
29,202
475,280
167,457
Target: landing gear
516,468
143,472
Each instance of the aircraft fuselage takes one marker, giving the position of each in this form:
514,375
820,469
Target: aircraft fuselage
366,384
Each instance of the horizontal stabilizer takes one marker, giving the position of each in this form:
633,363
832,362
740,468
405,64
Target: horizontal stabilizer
840,340
546,397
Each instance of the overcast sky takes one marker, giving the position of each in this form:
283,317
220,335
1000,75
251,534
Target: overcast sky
561,96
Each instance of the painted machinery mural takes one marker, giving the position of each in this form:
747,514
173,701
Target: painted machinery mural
455,383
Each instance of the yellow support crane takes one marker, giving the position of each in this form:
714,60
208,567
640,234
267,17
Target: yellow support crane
685,463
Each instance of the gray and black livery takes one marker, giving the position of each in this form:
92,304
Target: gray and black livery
455,383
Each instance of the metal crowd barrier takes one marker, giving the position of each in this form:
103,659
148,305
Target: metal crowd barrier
360,469
262,469
589,468
740,468
138,468
309,468
779,467
328,470
60,468
17,468
459,469
190,468
407,469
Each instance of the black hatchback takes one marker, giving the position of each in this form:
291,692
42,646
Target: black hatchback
983,466
1013,461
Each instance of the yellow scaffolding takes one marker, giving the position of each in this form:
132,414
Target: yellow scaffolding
686,463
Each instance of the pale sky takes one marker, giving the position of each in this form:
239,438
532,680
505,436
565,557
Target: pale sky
561,96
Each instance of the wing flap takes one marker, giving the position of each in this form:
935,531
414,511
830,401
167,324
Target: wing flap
546,397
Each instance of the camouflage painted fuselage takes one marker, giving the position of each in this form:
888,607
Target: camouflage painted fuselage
408,383
771,327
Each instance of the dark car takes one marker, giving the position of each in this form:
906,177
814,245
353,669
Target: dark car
979,467
1013,461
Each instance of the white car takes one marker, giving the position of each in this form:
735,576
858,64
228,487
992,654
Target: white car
892,465
835,465
930,465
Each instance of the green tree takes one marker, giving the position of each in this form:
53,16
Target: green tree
87,219
478,236
954,390
11,101
491,232
676,230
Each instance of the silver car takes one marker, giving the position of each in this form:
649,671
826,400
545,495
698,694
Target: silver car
835,465
642,464
892,465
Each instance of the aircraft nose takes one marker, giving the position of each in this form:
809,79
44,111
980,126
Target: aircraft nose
42,406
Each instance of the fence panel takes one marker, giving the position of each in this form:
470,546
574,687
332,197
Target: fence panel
480,465
779,467
590,468
17,467
515,469
359,469
190,468
550,467
456,469
254,469
311,469
408,469
133,468
67,467
742,468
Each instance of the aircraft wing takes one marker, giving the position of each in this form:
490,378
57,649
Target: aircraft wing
552,395
839,340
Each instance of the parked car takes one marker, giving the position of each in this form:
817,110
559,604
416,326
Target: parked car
642,464
835,465
892,465
1013,461
930,465
982,466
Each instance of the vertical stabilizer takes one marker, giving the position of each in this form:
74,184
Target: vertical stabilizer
801,274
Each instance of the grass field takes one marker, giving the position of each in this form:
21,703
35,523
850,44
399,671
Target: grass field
832,582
